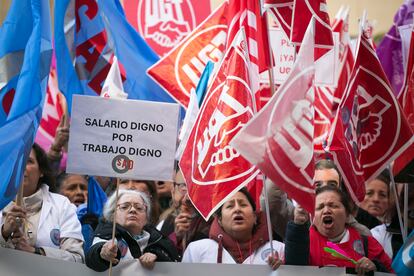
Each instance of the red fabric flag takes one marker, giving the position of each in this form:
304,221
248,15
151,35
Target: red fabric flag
53,110
327,99
213,170
281,11
180,70
164,23
279,139
247,14
404,165
302,13
370,130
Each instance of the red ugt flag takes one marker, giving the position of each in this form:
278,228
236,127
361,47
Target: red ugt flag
370,130
327,99
180,70
214,170
303,11
246,13
282,11
403,166
279,139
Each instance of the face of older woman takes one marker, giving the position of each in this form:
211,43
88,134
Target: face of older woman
238,217
32,175
131,213
330,214
376,198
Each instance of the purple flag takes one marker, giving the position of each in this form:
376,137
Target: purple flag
389,50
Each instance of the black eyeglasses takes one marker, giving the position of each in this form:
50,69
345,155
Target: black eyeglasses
127,206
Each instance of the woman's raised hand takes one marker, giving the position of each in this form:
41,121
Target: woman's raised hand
300,215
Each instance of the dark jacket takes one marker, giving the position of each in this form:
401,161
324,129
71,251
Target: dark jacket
367,219
159,245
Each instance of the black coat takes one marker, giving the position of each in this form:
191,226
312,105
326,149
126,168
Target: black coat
159,245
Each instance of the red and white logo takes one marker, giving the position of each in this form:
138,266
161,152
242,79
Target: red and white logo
211,167
370,129
180,70
279,139
164,23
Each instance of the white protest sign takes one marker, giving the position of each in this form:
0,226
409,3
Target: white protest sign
122,138
284,55
326,67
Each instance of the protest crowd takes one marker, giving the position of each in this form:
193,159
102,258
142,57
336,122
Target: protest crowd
312,165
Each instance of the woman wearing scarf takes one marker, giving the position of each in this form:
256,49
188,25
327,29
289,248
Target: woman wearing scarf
238,235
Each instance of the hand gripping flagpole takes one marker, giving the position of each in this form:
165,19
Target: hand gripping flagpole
114,223
272,90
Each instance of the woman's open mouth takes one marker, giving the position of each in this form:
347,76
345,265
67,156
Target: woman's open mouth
238,219
327,221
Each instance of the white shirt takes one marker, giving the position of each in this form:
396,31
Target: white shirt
384,237
58,221
206,250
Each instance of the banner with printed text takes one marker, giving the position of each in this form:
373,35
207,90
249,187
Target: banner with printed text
122,138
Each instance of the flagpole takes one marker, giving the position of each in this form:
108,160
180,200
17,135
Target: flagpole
394,189
114,223
267,209
405,233
272,91
19,196
270,70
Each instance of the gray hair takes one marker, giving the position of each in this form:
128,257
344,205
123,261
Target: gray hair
110,205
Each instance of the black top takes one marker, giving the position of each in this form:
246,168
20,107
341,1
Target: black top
367,219
158,244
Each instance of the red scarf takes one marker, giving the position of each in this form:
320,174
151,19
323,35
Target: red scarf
240,251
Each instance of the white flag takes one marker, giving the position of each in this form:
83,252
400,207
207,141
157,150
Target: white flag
113,87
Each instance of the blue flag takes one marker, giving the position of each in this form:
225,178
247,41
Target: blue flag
94,33
25,54
201,88
96,197
403,263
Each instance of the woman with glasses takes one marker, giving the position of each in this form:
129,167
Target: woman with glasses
135,239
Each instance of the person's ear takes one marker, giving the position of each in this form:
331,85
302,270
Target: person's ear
219,221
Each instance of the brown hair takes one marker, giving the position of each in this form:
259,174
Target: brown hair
342,196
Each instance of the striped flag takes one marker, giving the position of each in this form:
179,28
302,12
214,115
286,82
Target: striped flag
25,53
